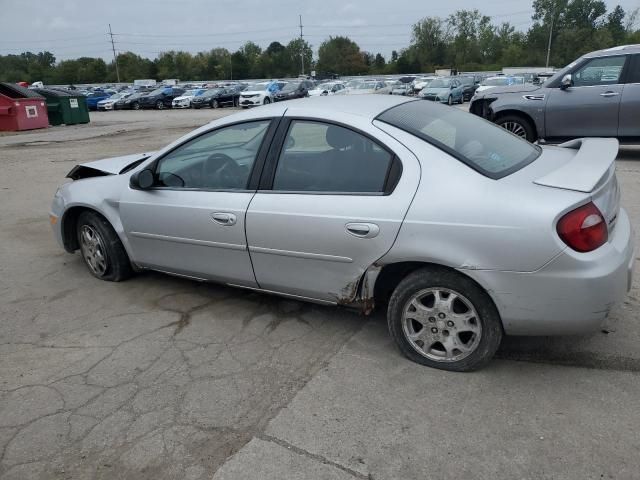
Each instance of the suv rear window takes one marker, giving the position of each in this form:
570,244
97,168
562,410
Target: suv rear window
483,146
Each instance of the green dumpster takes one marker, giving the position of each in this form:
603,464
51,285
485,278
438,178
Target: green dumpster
65,107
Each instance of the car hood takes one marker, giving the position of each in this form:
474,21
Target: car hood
107,166
254,92
509,89
184,97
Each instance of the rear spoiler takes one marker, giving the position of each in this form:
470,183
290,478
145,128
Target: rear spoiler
593,159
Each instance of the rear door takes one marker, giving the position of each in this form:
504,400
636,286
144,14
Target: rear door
590,107
630,102
331,204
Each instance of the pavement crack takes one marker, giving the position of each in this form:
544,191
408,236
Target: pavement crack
313,456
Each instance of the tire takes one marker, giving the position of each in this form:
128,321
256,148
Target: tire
214,103
470,326
135,106
518,125
236,102
450,100
160,105
101,248
266,101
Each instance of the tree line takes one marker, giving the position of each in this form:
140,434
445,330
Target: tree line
466,40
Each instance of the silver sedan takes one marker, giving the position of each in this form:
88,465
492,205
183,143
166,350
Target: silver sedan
461,230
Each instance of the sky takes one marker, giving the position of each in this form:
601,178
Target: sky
75,28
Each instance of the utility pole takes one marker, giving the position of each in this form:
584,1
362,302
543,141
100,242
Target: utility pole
550,35
301,48
115,58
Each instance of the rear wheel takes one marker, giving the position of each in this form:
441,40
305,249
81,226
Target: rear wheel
518,125
101,248
267,101
442,319
214,103
135,106
160,105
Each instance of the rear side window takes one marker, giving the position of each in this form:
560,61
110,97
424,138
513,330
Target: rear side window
634,71
321,157
483,146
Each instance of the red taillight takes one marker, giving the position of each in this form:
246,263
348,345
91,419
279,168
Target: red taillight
583,229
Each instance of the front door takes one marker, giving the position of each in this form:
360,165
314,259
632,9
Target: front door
336,204
590,107
192,221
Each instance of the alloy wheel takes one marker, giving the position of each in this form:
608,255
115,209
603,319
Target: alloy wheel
93,250
160,105
515,128
441,324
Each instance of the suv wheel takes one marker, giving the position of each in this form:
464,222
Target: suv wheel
517,125
442,319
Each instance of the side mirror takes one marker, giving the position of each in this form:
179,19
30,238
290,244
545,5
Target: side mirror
142,180
567,81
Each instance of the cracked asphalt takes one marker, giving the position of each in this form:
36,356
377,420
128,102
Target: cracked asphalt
165,378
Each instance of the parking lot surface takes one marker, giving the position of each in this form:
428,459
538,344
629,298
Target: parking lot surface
164,378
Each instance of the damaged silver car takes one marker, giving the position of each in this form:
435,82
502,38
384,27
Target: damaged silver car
460,229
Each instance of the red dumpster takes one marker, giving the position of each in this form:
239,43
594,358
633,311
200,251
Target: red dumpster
21,108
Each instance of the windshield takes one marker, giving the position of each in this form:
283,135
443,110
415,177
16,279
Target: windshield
353,83
483,146
290,87
366,86
211,93
495,82
252,87
466,80
324,86
517,80
439,83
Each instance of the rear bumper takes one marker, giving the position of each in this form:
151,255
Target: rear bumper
572,294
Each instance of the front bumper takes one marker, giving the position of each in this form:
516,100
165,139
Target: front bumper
185,104
251,102
435,99
108,106
572,294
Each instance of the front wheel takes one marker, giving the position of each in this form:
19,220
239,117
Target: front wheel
518,125
101,248
135,106
214,103
160,105
267,101
442,319
450,100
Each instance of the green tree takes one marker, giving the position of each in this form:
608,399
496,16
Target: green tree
295,49
340,55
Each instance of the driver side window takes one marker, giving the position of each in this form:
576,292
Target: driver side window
599,71
218,160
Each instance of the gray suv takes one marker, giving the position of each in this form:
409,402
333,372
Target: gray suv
598,95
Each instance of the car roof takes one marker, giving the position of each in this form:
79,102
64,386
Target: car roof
621,49
368,106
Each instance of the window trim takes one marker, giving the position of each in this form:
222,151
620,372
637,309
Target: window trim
256,168
278,144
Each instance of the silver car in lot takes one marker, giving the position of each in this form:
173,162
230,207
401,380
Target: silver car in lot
598,95
460,229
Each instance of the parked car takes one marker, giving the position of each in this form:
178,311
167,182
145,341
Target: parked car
132,102
292,90
109,103
184,100
218,97
365,87
598,95
499,81
420,82
94,97
339,213
261,93
444,89
400,88
470,84
160,98
324,89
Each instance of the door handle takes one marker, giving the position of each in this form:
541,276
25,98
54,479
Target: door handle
609,94
222,218
363,230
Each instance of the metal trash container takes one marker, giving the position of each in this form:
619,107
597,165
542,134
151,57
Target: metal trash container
21,108
65,107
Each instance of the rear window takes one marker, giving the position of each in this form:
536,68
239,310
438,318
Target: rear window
483,146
